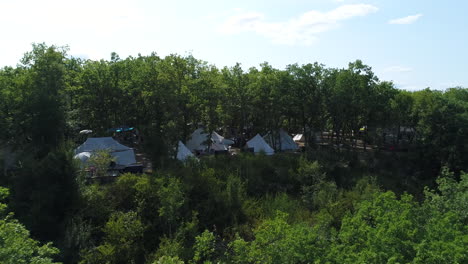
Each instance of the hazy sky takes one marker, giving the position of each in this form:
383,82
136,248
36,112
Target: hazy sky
415,43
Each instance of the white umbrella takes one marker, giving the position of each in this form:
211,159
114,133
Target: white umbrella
85,132
83,156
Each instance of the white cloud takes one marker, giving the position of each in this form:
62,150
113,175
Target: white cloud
302,29
405,20
398,69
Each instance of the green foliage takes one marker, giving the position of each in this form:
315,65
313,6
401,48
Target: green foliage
168,260
382,230
204,247
276,241
16,245
445,240
122,240
332,216
172,198
310,173
35,188
100,161
445,232
169,248
267,207
451,196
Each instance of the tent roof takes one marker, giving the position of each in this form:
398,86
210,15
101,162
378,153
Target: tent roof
100,143
123,154
183,152
83,156
220,139
259,144
199,138
216,137
286,141
125,157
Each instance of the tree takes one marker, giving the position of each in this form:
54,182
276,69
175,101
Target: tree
401,106
16,246
172,199
383,230
236,100
309,93
276,241
446,213
204,247
100,161
122,241
46,70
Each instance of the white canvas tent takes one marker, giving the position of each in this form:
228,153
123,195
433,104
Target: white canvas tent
183,152
199,141
126,157
100,143
83,156
123,154
283,140
259,145
217,138
219,142
218,147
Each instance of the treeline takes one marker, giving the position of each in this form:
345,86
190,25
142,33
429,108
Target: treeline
288,208
50,96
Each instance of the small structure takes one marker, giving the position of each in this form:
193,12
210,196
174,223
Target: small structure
124,156
217,138
280,140
258,145
83,157
183,153
86,132
200,141
120,129
299,138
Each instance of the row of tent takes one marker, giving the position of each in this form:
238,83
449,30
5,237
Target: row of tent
201,142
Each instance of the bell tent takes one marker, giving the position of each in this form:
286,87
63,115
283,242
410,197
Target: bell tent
280,140
259,145
200,140
183,153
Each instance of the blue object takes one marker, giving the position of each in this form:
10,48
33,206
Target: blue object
120,129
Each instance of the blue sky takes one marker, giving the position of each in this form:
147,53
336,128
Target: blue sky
415,43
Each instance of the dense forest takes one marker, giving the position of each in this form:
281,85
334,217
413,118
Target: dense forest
388,187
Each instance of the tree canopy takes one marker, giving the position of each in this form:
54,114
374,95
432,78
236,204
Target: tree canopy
381,177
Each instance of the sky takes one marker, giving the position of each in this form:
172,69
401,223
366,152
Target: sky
414,43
